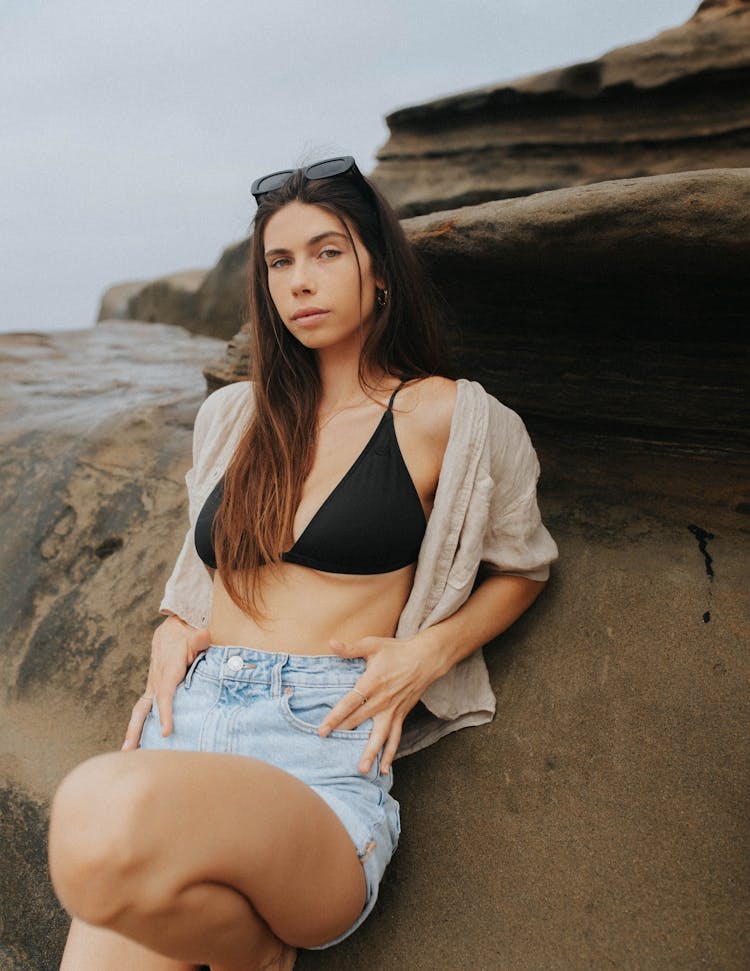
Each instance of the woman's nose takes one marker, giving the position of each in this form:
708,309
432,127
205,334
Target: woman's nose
302,278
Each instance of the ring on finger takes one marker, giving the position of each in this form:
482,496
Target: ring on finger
147,697
363,697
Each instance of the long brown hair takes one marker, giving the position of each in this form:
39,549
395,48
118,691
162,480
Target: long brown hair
264,479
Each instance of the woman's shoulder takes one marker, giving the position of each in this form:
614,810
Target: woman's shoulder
225,401
221,410
475,401
439,403
235,392
473,417
432,401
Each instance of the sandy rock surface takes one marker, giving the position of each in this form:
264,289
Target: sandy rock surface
599,821
95,427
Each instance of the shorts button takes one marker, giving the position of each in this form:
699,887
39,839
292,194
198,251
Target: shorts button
234,663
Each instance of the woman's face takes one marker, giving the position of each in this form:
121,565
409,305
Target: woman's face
312,266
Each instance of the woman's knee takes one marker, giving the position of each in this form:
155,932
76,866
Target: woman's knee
96,855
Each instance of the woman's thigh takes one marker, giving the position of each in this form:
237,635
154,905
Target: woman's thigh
172,819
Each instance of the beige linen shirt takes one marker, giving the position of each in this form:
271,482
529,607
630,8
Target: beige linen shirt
485,510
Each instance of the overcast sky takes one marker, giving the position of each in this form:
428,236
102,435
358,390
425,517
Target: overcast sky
131,131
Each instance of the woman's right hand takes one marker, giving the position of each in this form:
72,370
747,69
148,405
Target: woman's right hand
174,647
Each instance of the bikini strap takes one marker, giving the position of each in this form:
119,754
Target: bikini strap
390,403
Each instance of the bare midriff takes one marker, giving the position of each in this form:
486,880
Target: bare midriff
304,608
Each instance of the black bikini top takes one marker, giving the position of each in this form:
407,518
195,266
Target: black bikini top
372,522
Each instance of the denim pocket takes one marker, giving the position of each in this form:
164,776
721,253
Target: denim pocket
191,670
305,707
193,698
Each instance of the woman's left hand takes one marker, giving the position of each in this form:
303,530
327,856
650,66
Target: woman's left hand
398,671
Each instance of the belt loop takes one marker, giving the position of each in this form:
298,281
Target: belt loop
276,675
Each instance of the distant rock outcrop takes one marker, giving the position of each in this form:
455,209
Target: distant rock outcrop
677,102
114,302
210,302
169,299
221,301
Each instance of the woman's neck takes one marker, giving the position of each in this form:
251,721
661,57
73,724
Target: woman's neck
339,380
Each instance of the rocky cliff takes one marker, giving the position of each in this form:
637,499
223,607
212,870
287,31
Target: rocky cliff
677,102
619,308
601,819
211,302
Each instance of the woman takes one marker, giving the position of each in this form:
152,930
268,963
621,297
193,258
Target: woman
360,524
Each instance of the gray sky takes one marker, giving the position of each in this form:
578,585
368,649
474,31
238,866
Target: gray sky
131,131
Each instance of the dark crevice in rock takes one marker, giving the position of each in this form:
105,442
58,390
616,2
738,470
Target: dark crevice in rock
703,536
108,547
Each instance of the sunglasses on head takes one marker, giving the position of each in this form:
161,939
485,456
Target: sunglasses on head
318,170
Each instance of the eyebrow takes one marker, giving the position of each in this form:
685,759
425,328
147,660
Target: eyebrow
310,242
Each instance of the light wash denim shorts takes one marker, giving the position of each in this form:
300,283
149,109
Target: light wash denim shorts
269,706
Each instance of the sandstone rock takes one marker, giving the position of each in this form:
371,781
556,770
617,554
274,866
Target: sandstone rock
168,299
211,302
599,821
620,307
222,298
95,440
114,302
676,102
233,365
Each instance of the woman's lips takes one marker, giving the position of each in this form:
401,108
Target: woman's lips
307,319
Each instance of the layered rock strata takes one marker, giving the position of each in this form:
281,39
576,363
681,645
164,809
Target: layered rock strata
676,102
618,307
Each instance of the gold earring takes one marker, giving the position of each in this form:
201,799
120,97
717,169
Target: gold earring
382,297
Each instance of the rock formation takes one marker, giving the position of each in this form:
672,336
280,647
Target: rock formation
95,437
114,302
676,102
598,306
599,821
222,298
169,299
210,302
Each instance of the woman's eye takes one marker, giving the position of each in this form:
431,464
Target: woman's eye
329,253
275,264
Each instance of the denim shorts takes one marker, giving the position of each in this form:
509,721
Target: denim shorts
269,705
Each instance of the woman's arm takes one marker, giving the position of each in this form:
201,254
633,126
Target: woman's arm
399,670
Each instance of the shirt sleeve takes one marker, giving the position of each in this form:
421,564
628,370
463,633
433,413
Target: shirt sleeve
188,590
516,540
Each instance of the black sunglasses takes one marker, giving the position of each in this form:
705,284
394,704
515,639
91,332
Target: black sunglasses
318,170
